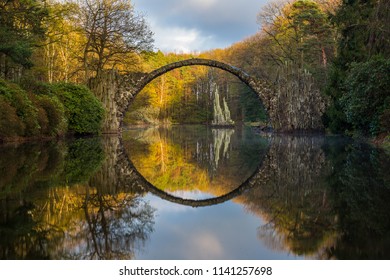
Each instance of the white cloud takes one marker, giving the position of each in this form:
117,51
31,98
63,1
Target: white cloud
198,25
180,39
203,4
205,245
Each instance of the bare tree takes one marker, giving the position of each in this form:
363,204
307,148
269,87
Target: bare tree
113,31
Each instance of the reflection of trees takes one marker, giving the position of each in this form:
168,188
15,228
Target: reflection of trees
78,223
324,199
360,184
164,163
295,200
23,165
321,199
194,158
117,230
47,213
109,227
84,158
27,170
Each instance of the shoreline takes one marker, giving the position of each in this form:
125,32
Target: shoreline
381,141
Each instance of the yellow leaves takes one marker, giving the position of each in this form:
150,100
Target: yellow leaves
170,167
167,167
299,30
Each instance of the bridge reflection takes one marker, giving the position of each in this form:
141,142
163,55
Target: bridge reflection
134,176
200,164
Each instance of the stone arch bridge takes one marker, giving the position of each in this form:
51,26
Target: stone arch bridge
117,91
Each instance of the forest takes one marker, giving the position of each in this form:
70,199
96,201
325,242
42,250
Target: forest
328,61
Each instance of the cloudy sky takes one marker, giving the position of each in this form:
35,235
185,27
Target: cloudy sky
199,25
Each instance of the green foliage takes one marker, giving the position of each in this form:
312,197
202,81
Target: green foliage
21,27
51,115
28,114
35,114
359,90
362,26
367,97
311,28
10,124
18,52
83,159
334,118
82,109
252,108
30,84
25,109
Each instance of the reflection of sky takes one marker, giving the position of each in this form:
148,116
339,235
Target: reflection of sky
193,194
224,231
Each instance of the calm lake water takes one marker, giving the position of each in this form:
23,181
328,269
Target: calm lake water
192,192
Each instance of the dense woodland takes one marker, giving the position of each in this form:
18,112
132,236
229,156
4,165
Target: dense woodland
327,59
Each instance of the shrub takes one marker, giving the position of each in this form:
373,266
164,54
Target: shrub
25,109
48,110
30,84
43,121
10,123
82,109
51,115
367,97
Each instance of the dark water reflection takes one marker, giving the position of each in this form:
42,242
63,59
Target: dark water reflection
312,197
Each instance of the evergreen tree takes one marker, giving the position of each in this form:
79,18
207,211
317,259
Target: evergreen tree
363,36
20,30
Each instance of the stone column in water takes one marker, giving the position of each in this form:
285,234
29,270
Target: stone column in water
221,114
106,87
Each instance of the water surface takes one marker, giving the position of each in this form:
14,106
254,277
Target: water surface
196,193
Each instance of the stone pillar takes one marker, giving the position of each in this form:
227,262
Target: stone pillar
106,88
297,105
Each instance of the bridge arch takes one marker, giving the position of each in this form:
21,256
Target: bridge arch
260,88
244,77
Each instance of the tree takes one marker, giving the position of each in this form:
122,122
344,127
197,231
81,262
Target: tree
20,31
299,42
113,31
362,26
367,97
300,32
57,57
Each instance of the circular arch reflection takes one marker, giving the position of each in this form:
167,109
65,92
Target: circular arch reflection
259,175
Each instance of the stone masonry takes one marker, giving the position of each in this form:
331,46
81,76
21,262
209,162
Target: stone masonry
117,91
